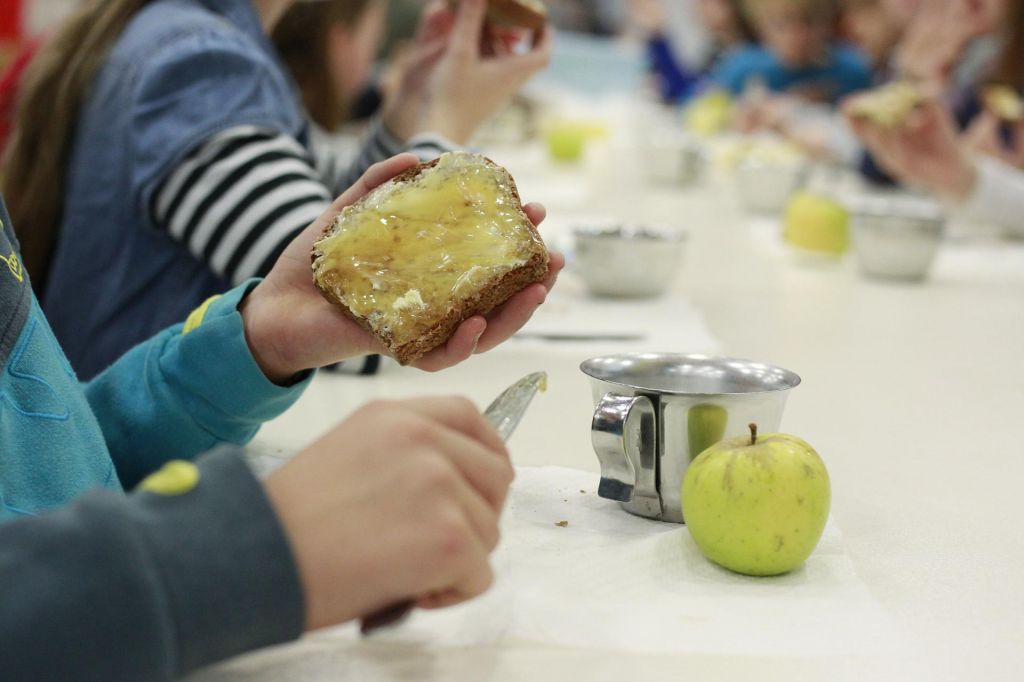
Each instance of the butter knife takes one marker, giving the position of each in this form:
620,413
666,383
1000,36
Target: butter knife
504,414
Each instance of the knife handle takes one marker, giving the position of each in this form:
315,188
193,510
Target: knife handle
386,617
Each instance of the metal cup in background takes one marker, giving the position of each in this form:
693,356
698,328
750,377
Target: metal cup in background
655,412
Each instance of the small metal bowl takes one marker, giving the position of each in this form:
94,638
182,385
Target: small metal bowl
627,262
766,186
896,237
673,159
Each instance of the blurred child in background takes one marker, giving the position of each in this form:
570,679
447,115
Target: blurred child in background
873,28
800,54
685,40
330,48
160,153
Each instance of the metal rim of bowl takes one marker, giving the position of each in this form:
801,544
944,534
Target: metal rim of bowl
902,207
628,233
792,378
935,231
792,165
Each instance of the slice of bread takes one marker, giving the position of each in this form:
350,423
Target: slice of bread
434,246
528,14
889,105
1004,102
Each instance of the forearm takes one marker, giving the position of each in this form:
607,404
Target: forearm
147,587
184,391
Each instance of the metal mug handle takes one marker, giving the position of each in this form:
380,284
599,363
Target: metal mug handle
625,440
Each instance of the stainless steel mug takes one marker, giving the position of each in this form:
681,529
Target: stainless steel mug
655,412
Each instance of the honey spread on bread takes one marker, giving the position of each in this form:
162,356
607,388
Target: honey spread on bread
420,253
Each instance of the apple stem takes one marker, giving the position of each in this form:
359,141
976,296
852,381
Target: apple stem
753,434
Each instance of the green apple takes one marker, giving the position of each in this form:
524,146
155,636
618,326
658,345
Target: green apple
755,505
705,426
566,140
816,223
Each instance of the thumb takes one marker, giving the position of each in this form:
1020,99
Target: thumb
929,115
986,127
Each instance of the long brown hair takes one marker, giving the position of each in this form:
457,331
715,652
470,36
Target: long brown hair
301,38
35,164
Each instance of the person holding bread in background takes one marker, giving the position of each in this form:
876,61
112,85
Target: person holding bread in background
170,158
979,173
201,562
927,152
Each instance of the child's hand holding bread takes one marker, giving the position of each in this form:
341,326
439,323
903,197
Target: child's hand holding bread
919,145
463,269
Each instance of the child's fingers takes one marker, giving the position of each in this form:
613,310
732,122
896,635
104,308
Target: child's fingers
469,27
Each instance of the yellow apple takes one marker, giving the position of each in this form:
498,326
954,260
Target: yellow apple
567,139
757,506
816,223
709,114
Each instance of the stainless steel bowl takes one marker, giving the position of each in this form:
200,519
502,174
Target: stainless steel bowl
627,262
896,237
766,186
655,412
673,159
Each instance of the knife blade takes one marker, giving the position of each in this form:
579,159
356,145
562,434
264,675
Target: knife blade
504,414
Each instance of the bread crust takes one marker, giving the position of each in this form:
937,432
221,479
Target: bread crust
484,301
515,13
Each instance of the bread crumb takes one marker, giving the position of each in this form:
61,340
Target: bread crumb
562,524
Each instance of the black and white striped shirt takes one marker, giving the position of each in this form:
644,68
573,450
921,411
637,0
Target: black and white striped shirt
238,199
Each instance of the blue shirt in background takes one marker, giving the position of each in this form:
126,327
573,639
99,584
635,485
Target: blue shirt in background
842,72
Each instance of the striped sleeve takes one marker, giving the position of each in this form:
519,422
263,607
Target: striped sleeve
239,199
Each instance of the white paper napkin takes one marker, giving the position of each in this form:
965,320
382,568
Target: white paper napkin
667,324
604,580
611,580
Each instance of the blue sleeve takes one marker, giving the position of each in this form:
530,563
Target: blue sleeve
732,71
674,81
855,72
196,86
186,390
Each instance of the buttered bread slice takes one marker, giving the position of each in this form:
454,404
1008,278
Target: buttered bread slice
425,251
1004,102
889,105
